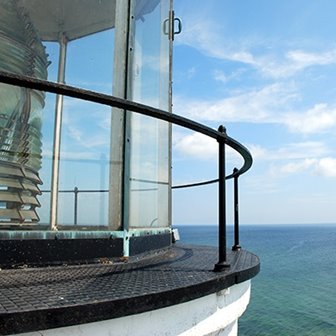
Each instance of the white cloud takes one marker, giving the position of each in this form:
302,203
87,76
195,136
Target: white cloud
221,76
273,103
289,63
74,133
75,155
304,59
295,167
258,152
211,40
295,158
301,150
270,104
261,184
191,72
326,167
82,138
205,36
199,146
259,105
85,124
291,151
105,122
271,182
319,118
157,63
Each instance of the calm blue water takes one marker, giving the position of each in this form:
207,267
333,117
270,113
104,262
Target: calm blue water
295,291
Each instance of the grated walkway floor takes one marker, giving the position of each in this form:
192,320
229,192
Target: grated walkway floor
43,298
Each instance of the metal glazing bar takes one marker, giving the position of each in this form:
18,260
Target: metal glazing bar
57,136
148,181
222,261
75,204
79,191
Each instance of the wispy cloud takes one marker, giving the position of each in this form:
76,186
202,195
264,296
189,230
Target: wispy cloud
322,167
291,158
299,150
221,76
271,181
201,147
197,145
294,167
257,105
211,39
319,118
270,104
191,72
326,167
289,63
296,158
206,36
86,125
303,59
274,79
65,155
305,154
82,138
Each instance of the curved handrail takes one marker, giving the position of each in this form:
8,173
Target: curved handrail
104,99
126,105
196,184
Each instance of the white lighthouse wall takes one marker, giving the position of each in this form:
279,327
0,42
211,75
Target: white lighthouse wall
214,314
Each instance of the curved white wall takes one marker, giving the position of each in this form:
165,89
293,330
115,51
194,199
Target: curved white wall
215,314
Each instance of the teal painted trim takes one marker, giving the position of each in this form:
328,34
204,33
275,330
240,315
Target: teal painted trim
126,234
146,232
19,235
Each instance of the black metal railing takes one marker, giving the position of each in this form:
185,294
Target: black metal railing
221,136
76,191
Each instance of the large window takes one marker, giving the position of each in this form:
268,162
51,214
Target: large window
149,142
68,164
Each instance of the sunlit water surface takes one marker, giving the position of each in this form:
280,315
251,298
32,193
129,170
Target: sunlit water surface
295,291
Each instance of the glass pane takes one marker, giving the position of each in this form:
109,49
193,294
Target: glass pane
86,27
42,38
89,62
21,48
149,141
33,35
84,165
26,160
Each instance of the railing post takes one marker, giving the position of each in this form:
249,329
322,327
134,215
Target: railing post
222,262
236,246
75,205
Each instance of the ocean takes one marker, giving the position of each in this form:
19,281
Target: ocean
295,291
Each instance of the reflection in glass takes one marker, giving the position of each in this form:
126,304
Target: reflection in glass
20,116
149,144
88,46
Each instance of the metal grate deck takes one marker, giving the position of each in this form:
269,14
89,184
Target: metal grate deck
43,298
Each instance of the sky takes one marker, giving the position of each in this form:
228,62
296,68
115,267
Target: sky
265,70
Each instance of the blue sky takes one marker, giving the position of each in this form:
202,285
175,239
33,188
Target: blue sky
266,70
